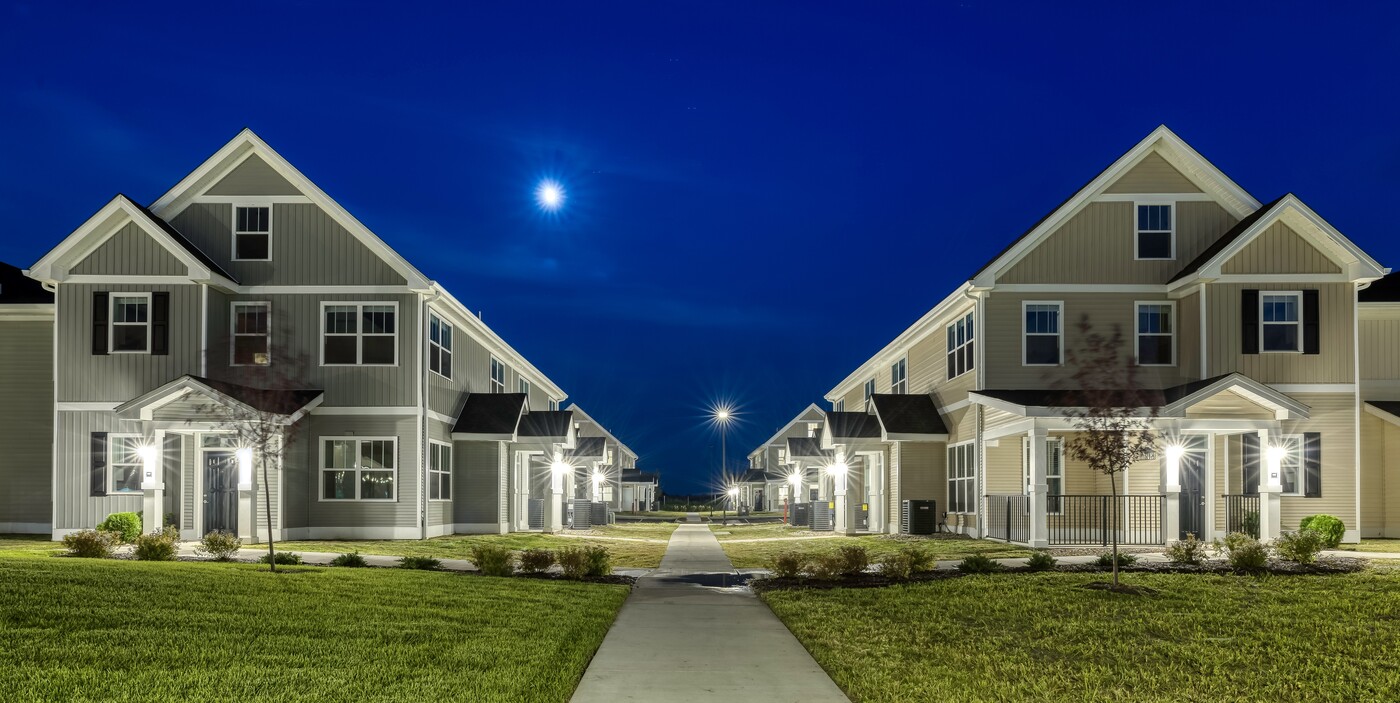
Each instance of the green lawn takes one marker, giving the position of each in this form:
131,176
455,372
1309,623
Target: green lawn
1039,637
641,547
1390,546
32,544
97,630
749,555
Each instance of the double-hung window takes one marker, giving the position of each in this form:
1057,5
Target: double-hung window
962,478
439,470
439,345
553,404
1054,471
1281,320
960,359
498,376
1291,465
1042,340
252,233
124,463
359,334
899,377
131,322
1155,236
358,468
251,346
1156,334
869,391
522,386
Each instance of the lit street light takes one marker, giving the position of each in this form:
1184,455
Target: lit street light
549,194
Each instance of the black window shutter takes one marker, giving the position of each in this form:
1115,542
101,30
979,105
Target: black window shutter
160,324
1250,443
99,323
1312,464
1312,326
98,473
1249,321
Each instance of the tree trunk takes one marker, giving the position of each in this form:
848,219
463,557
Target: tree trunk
1113,524
267,503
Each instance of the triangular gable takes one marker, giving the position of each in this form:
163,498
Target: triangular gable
129,251
247,145
585,417
253,177
1153,174
190,398
812,413
1162,143
1234,385
1279,249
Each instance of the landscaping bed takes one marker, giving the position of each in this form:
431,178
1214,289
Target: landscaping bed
642,545
772,541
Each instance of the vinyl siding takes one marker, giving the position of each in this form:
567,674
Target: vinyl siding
253,177
471,373
1153,174
26,421
1002,466
1188,336
401,512
1229,404
440,512
923,468
480,479
1279,249
1376,440
298,480
1380,346
74,507
131,252
1334,416
928,368
83,376
309,248
1097,246
1332,365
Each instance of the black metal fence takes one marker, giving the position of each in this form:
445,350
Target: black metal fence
1008,518
1079,519
1242,514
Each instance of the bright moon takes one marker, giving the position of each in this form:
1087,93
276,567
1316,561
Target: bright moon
549,194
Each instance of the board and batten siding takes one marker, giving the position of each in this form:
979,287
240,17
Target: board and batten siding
440,511
1188,336
1153,174
131,252
1333,363
1278,249
26,425
83,376
402,512
1380,475
480,478
75,507
253,177
1380,344
308,247
1097,246
471,370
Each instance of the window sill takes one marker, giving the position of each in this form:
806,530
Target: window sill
439,374
439,500
1159,366
1054,364
351,366
241,260
1280,351
357,500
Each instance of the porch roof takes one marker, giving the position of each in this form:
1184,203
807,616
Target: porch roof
490,416
759,476
807,448
547,425
638,476
587,448
909,417
291,403
842,426
1169,402
1388,410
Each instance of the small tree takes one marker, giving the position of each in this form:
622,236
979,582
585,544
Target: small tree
1112,412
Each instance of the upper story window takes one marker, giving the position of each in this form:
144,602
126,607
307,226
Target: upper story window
1042,337
1281,320
1156,239
522,386
131,322
251,334
359,334
553,404
869,391
498,376
252,233
960,358
1156,334
838,406
899,377
439,345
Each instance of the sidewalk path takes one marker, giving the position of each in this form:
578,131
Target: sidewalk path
691,632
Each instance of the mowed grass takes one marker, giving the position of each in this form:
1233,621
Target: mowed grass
636,546
774,539
1389,546
101,630
1043,638
30,544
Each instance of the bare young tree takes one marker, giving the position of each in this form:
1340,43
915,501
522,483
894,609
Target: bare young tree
1112,412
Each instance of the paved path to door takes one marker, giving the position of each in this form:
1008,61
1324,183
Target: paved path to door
691,632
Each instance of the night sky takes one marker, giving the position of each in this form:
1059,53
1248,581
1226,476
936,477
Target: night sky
759,196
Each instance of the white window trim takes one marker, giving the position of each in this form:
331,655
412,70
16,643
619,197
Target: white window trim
522,385
233,227
952,351
451,485
1171,205
1060,305
491,375
112,438
321,471
971,507
553,404
112,323
1137,333
442,322
1299,489
902,386
1026,469
233,334
1296,294
359,331
869,390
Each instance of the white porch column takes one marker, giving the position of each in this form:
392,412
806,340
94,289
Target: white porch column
559,471
875,490
838,471
1038,489
1171,491
153,484
247,517
1270,488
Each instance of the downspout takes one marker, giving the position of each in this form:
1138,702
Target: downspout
1356,394
423,412
204,330
980,307
53,448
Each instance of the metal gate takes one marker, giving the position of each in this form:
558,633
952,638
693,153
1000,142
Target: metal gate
220,492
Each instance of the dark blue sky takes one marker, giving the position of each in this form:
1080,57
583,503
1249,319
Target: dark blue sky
760,195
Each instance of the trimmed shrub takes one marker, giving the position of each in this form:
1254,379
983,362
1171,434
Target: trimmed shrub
420,563
827,567
1106,560
127,526
352,560
290,558
854,559
597,561
1300,547
573,561
91,544
788,565
536,561
896,565
493,560
219,545
1187,551
157,546
1243,552
979,564
919,560
1328,527
1041,560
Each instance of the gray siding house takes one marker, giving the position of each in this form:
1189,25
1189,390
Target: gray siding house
26,403
245,288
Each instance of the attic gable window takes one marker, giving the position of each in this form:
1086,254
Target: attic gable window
1156,238
252,233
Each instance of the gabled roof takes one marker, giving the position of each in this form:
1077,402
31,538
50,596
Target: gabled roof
842,427
490,416
19,289
807,448
1226,239
760,476
1170,402
587,448
811,413
1384,290
908,417
292,403
574,408
546,425
638,476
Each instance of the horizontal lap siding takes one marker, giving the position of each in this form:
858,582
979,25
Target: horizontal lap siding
403,511
1373,474
131,252
26,421
923,472
83,376
1279,249
1229,405
1002,467
1333,415
480,483
1333,365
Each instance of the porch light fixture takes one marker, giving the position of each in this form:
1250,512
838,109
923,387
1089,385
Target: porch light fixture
561,468
245,468
598,477
838,469
795,479
1174,453
1276,455
148,454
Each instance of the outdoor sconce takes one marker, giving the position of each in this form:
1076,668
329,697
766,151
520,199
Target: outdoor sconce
149,455
1174,452
561,468
838,469
245,469
1276,454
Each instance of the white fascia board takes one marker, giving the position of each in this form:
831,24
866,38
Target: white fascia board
996,403
915,333
811,413
493,342
1261,394
103,225
574,408
473,437
1355,263
1380,413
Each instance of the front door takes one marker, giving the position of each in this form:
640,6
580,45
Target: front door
1193,487
220,492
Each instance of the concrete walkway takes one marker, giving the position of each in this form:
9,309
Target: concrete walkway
690,631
